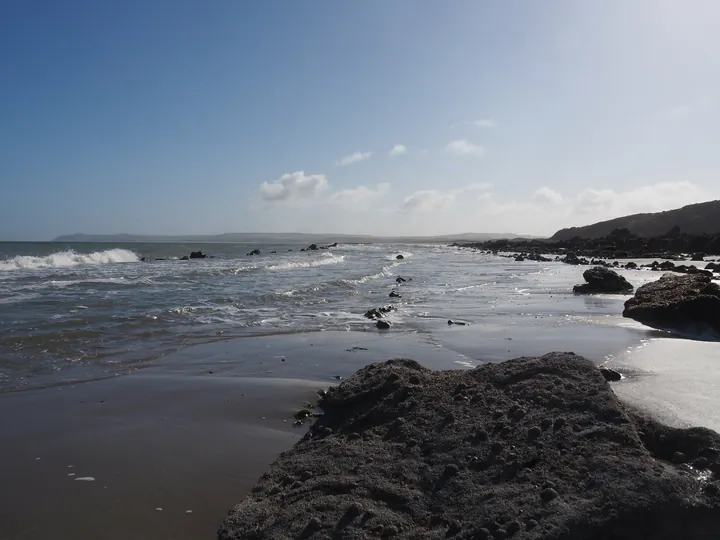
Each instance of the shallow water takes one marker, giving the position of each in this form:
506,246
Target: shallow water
79,311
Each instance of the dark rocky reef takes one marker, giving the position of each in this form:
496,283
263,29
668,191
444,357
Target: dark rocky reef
688,303
602,280
532,448
618,244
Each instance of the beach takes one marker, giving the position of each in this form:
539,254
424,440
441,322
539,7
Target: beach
165,447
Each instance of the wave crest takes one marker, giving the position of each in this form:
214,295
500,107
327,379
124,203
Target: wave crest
327,259
65,259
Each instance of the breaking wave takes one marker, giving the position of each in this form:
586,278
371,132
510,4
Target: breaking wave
64,259
327,259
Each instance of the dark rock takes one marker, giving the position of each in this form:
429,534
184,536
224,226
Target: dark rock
683,303
184,258
399,257
254,252
383,325
610,374
631,265
711,266
312,247
459,323
394,294
602,280
698,257
629,488
400,280
197,255
379,313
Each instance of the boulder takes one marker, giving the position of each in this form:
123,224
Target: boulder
382,325
312,247
400,280
534,448
399,257
631,265
570,258
394,294
602,280
698,257
712,266
254,252
687,303
184,258
197,255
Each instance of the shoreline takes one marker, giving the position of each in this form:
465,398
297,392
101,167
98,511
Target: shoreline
194,430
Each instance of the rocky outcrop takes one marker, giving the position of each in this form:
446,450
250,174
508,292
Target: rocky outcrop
197,255
532,448
382,325
254,252
400,257
602,280
312,247
394,294
684,303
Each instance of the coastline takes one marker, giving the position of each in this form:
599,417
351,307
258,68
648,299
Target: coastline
195,429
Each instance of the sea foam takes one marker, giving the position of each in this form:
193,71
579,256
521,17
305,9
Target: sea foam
64,259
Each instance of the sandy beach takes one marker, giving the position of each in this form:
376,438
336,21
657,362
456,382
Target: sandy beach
166,451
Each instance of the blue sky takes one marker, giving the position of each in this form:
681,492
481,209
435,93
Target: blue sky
174,117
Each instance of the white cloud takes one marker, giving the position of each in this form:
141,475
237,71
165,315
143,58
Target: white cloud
353,158
398,150
293,186
359,195
428,200
651,198
464,147
485,123
545,195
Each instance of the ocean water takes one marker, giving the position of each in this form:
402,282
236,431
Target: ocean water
71,312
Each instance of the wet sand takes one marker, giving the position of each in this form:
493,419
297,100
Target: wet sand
196,429
149,441
190,432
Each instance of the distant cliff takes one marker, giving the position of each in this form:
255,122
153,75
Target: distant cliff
694,219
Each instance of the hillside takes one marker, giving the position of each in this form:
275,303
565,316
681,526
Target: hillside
278,238
694,219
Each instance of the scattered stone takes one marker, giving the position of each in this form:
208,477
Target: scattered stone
383,325
394,294
602,280
400,280
610,374
379,313
399,257
458,323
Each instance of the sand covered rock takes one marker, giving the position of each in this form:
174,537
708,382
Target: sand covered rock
685,303
532,448
602,280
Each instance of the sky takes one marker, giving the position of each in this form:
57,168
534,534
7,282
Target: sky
402,117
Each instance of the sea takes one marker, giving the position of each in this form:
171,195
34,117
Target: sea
80,311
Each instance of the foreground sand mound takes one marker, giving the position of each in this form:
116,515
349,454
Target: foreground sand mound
530,448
